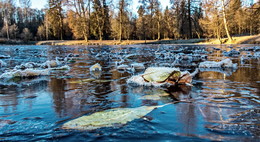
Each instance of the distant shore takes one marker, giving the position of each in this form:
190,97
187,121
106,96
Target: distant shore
255,39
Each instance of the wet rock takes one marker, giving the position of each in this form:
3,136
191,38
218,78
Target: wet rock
95,67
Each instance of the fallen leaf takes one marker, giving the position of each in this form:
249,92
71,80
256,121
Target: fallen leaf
108,118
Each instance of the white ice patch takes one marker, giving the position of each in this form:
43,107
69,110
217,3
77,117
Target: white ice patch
31,72
226,63
25,73
139,81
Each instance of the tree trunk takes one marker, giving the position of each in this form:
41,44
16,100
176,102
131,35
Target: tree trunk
120,26
89,1
159,27
225,21
47,28
189,16
7,27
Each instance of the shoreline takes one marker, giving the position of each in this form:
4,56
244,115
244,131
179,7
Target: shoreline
255,39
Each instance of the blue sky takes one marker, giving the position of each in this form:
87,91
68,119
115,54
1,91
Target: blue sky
39,4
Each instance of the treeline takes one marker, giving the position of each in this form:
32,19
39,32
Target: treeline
113,19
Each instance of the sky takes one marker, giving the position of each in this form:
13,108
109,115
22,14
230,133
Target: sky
39,4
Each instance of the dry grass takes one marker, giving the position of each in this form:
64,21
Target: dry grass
93,42
236,40
255,39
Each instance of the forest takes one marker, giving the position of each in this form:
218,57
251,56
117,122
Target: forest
115,20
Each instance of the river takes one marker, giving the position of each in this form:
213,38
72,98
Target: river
222,104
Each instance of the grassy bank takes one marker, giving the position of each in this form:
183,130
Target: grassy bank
236,40
116,42
255,39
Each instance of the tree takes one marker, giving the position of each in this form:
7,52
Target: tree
122,10
225,20
167,18
25,5
54,18
14,31
26,35
211,22
41,32
8,9
78,18
100,19
158,18
142,20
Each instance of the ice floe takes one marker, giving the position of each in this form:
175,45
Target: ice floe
226,63
30,73
162,77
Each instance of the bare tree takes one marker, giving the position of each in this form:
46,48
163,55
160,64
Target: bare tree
225,20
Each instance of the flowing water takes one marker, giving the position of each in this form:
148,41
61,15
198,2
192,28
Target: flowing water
222,104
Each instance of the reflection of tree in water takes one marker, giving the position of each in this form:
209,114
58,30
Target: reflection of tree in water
20,93
57,88
9,99
186,111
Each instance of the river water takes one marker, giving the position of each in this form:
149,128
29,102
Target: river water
222,104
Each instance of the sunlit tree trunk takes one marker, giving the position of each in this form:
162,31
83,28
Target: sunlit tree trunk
159,27
120,24
47,27
7,27
225,21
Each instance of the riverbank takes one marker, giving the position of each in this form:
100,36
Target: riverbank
255,39
116,42
236,40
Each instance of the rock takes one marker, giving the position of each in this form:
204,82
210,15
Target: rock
95,67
